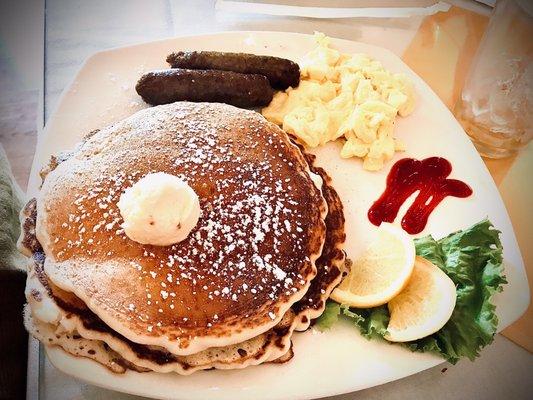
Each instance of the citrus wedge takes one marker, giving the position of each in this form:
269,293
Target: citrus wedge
382,271
424,306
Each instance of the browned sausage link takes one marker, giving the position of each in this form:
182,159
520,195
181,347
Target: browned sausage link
280,72
168,86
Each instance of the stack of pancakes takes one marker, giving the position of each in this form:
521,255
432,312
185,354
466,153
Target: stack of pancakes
259,265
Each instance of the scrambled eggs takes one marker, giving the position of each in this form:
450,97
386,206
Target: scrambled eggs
344,96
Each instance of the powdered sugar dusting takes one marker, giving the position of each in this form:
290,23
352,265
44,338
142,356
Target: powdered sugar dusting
252,245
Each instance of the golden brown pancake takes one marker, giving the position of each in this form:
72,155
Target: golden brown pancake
250,257
331,263
91,332
76,320
76,345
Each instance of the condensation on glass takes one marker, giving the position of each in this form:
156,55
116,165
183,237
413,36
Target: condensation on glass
495,105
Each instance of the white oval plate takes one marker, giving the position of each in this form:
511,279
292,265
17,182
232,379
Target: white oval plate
339,360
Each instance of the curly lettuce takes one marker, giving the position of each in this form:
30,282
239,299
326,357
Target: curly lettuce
472,258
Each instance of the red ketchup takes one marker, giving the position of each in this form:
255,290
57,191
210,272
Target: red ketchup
406,177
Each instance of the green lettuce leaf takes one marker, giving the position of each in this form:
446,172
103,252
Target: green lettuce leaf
329,316
372,322
472,258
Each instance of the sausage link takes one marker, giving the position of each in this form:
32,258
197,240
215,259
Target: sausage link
280,72
240,90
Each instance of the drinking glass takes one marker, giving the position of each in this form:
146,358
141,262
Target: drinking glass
495,104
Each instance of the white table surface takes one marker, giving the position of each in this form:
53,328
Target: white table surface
76,29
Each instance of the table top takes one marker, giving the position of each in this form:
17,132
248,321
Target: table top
76,29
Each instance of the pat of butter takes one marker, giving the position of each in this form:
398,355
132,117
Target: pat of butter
159,209
350,96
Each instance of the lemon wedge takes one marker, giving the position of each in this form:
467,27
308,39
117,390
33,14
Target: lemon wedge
382,271
424,306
